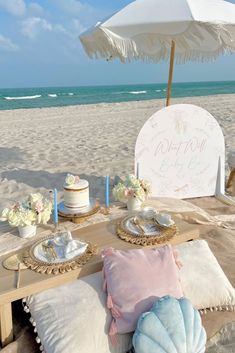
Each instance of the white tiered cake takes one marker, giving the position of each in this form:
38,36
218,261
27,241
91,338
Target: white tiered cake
76,192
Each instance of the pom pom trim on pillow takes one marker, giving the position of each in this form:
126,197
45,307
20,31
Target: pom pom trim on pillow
34,324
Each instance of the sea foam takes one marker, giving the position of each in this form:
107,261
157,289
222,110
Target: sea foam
137,92
23,97
52,95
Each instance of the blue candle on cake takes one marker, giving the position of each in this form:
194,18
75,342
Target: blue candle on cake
55,208
107,191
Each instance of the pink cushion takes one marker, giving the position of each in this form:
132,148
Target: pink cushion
134,279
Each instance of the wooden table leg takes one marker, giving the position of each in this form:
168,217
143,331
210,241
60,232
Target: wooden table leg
6,326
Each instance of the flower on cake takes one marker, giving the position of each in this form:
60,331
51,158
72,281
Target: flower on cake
131,187
72,179
34,209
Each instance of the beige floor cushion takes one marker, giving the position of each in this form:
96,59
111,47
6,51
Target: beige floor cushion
73,318
203,281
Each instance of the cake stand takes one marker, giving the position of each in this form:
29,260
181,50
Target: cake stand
78,215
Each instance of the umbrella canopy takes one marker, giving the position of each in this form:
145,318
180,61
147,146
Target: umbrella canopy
154,30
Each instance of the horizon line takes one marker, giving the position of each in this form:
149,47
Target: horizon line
120,84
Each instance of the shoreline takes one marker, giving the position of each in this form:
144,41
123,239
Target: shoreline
122,102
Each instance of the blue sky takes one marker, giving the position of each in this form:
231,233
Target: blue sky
39,46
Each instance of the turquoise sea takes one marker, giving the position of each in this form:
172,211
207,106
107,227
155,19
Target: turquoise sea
15,98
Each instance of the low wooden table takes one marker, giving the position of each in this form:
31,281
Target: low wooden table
101,234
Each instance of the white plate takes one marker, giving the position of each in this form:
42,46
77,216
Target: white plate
148,229
59,247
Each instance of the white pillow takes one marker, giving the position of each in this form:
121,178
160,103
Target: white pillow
203,280
73,318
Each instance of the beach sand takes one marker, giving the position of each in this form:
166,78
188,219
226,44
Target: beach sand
40,146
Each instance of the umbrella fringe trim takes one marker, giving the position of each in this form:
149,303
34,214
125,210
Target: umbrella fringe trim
106,44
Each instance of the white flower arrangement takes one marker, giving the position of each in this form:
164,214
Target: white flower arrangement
131,187
35,209
72,179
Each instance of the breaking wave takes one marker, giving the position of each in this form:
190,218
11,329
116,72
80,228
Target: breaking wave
23,97
137,92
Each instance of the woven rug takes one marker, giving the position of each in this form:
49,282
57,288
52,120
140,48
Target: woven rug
216,223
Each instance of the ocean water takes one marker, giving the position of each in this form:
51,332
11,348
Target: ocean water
16,98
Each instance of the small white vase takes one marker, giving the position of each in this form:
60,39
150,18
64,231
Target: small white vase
133,204
27,231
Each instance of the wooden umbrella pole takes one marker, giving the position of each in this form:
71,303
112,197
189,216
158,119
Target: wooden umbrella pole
170,73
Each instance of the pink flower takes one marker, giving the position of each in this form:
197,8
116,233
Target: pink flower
129,192
77,179
39,207
16,205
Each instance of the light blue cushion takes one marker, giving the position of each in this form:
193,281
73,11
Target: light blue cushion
172,326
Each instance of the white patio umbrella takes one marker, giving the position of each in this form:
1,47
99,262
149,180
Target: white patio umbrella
153,30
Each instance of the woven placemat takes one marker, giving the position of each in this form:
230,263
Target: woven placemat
57,268
12,262
166,234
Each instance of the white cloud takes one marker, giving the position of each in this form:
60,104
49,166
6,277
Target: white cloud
13,7
79,28
77,15
78,9
61,29
35,8
72,7
33,26
7,45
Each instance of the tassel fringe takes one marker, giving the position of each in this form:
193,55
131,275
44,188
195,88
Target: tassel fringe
177,261
217,308
115,312
113,333
113,326
109,302
102,43
107,252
